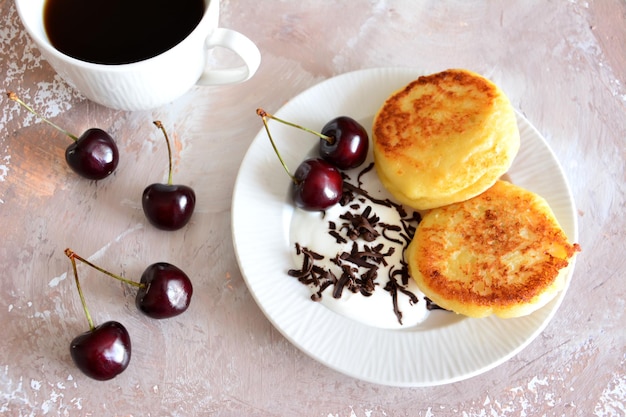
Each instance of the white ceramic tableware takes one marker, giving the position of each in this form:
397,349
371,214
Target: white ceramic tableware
155,81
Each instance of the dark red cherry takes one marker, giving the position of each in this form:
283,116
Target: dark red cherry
102,353
348,144
167,206
317,185
93,155
166,292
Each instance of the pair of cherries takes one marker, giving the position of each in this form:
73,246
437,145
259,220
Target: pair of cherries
94,155
104,351
317,183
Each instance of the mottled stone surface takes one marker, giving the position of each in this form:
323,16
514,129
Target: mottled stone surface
563,65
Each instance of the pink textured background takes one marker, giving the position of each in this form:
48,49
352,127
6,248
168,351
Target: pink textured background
563,65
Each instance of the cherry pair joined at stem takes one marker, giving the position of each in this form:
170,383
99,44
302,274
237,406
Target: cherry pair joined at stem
104,351
317,183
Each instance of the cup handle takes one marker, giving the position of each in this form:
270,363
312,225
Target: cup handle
239,44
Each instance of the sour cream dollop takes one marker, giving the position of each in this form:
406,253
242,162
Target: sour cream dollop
312,230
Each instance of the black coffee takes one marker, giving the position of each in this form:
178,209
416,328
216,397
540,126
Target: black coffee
119,31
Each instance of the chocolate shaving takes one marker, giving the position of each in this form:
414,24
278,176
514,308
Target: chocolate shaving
337,236
392,287
345,278
391,228
430,305
363,172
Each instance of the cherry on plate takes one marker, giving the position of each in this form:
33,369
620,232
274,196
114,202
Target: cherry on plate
317,185
344,143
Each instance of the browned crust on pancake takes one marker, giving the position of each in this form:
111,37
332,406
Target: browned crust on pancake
396,125
516,245
444,138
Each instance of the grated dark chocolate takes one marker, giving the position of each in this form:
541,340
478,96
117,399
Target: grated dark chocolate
361,226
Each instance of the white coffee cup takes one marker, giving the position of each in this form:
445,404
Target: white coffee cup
155,81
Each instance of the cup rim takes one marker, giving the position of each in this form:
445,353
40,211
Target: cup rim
44,43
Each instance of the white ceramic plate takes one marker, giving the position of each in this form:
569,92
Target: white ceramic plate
449,348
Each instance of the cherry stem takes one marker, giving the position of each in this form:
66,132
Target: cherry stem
72,255
158,124
327,138
264,117
15,98
80,294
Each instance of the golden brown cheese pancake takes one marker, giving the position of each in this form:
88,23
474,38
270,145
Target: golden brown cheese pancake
444,138
502,252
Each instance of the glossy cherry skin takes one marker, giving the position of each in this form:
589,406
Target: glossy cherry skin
168,207
318,185
167,291
94,155
349,145
102,353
